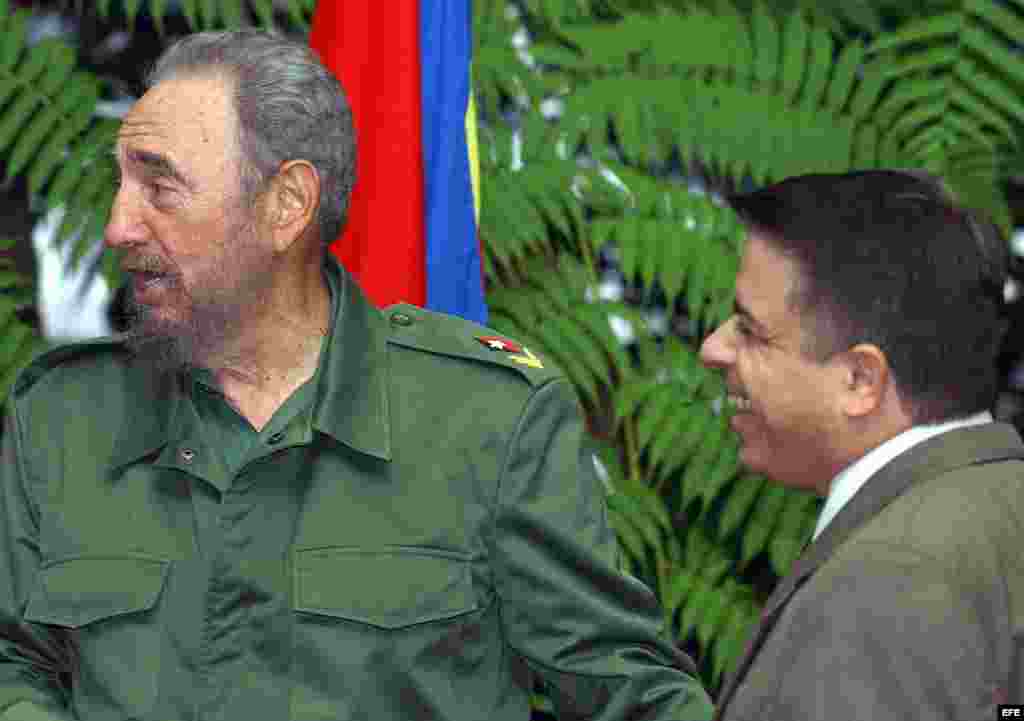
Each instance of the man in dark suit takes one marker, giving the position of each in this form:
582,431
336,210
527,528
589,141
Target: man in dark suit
861,364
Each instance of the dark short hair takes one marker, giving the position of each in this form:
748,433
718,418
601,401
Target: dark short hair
288,105
888,257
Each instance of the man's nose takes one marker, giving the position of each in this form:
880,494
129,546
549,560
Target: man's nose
125,226
716,351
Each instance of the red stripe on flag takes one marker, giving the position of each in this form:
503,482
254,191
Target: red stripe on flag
373,49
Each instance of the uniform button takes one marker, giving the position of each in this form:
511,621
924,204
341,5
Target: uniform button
187,454
276,438
401,319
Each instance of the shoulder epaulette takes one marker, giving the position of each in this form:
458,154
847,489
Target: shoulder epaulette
414,327
57,355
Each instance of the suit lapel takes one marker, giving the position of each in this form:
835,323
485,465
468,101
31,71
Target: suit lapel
939,454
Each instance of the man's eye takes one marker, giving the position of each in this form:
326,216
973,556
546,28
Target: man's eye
743,328
160,191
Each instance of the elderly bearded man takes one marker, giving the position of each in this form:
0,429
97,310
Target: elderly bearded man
861,359
270,500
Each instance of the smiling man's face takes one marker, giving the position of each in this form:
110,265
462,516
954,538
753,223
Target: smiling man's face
787,402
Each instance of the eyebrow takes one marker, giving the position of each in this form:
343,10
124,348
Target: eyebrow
741,309
158,166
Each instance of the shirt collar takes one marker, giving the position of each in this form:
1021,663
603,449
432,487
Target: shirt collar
853,477
352,395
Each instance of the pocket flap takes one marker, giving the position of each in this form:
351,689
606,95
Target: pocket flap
78,591
385,588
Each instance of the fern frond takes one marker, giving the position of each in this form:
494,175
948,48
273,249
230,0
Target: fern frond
729,644
738,504
759,527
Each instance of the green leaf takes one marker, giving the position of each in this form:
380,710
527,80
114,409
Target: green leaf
131,8
231,10
925,30
189,9
34,64
650,420
916,120
995,91
978,108
966,126
843,75
677,590
14,117
994,51
31,139
714,614
265,12
208,13
649,503
927,61
820,62
730,644
697,281
157,10
81,156
763,521
998,17
680,441
295,12
911,90
699,600
103,8
868,89
53,152
58,70
766,45
794,60
627,534
14,39
738,504
631,508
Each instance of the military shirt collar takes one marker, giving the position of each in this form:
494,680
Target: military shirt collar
352,400
352,397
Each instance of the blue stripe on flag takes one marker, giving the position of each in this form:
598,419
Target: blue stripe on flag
454,282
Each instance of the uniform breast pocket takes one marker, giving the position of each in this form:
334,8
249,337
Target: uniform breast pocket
386,589
107,606
374,626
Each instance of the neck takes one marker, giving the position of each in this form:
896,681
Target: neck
279,348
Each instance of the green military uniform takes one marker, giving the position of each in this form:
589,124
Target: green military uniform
414,535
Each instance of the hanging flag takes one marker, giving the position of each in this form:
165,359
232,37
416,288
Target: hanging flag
411,232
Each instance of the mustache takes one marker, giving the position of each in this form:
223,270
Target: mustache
146,264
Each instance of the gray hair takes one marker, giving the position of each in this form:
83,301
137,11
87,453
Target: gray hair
288,105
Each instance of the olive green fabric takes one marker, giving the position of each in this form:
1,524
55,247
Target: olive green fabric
433,540
231,438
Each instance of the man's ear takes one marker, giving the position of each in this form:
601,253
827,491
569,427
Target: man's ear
291,203
866,378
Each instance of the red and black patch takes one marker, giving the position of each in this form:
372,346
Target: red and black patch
499,344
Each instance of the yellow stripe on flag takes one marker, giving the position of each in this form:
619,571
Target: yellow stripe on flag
474,157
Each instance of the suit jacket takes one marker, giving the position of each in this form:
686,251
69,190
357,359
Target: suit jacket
910,605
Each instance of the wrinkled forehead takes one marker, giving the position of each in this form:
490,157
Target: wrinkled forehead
188,124
192,112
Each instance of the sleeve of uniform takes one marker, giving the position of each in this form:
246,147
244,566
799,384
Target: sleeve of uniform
590,632
32,657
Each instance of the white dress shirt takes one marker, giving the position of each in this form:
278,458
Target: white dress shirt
850,479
